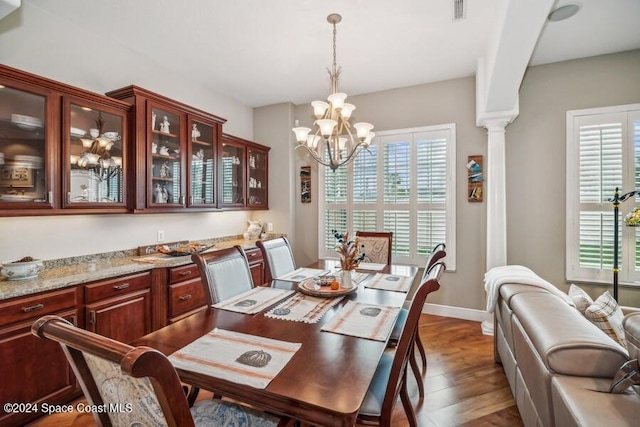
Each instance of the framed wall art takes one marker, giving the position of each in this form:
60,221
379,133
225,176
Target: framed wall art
305,184
475,176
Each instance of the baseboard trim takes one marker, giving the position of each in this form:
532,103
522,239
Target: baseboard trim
455,312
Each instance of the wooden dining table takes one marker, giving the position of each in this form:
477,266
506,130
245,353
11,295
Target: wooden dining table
326,380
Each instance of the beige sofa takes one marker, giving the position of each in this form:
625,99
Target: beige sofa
558,364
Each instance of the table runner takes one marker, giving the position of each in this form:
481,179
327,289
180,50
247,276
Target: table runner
300,274
303,308
362,320
232,356
254,300
390,282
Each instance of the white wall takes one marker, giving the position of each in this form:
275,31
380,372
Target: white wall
37,42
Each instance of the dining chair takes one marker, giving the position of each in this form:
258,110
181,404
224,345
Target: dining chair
376,245
278,257
437,253
138,385
224,273
390,378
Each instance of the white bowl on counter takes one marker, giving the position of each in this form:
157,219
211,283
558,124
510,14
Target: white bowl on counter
22,270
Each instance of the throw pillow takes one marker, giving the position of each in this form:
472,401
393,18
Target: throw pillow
607,315
580,298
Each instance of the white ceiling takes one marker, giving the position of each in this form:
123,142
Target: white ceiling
264,52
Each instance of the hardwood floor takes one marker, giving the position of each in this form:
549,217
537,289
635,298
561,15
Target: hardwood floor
463,385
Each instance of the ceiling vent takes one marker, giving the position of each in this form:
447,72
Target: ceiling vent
459,10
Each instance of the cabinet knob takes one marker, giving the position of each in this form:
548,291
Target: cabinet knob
92,317
121,287
185,297
184,273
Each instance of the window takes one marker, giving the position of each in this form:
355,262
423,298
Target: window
404,183
603,152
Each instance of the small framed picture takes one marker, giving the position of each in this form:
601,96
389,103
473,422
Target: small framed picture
16,175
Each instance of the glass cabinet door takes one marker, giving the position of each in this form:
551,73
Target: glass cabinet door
95,151
233,174
25,165
257,178
166,158
202,164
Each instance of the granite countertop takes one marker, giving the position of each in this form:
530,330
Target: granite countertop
67,272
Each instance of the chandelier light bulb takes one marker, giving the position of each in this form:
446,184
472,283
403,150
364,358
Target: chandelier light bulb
337,100
301,133
312,141
117,161
346,110
326,126
319,107
342,142
363,129
368,139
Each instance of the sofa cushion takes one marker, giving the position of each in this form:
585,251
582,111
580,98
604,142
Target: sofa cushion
606,314
580,298
566,341
631,325
584,402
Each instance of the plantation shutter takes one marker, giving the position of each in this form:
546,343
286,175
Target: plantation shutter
365,190
600,162
603,153
397,191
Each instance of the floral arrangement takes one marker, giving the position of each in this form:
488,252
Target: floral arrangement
349,250
633,218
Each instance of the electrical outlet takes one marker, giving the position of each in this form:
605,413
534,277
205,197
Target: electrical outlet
270,226
160,235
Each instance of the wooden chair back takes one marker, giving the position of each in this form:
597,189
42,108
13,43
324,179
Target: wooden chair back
397,377
377,246
437,253
278,257
138,385
224,273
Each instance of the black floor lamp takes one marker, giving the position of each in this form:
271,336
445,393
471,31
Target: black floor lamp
617,198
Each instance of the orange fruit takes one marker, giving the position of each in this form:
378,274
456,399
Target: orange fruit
335,285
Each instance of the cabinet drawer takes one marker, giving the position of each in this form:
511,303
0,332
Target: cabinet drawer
38,305
253,255
185,296
114,287
185,272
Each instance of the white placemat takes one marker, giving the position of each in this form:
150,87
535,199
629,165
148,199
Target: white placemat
235,357
362,320
390,282
371,266
300,274
302,308
254,300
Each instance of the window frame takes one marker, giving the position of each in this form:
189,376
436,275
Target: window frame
628,272
411,207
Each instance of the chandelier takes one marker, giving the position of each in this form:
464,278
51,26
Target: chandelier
332,123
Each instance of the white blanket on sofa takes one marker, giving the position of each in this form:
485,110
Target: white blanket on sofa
519,274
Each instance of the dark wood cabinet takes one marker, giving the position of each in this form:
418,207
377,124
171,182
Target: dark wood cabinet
42,123
119,308
175,155
34,370
256,265
186,292
244,174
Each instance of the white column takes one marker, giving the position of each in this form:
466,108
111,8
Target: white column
496,197
496,203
